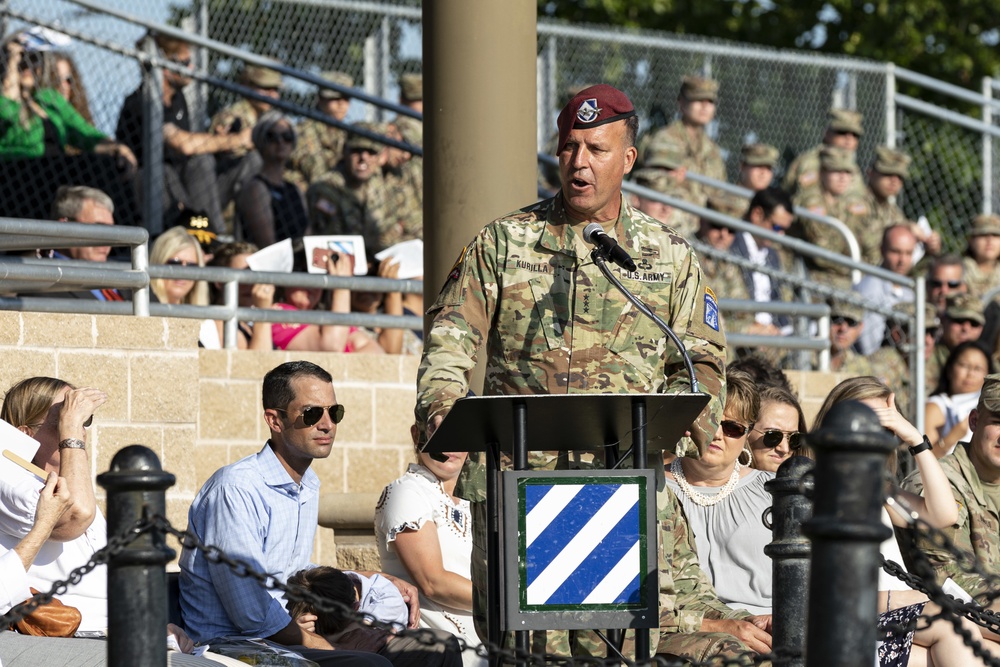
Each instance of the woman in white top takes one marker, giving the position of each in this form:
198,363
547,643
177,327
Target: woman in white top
424,535
937,644
947,413
724,501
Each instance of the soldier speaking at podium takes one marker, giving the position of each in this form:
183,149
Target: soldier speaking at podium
527,287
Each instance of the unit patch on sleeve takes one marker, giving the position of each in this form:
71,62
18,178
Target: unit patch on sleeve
711,309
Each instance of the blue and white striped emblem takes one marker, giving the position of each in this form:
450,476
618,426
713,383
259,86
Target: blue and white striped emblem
582,544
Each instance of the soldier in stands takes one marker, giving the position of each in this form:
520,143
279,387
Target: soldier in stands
663,167
403,174
892,361
886,178
843,130
757,162
321,146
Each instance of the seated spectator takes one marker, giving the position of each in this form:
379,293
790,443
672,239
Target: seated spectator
945,278
655,179
935,642
757,163
270,208
892,361
248,336
961,321
345,632
424,534
64,77
313,337
352,199
663,169
403,174
764,373
321,146
189,167
411,94
898,244
843,131
392,340
846,324
956,395
723,499
725,278
175,247
982,256
778,433
890,169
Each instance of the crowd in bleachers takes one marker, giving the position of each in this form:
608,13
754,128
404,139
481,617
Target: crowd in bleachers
259,178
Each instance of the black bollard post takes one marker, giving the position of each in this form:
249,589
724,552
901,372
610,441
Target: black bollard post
846,529
137,578
789,551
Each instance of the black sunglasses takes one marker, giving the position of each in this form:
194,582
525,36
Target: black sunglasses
773,437
314,413
849,321
952,284
732,429
287,136
173,261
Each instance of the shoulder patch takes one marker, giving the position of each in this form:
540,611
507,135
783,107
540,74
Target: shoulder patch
711,309
457,268
858,209
808,178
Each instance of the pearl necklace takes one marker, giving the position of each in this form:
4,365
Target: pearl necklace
699,498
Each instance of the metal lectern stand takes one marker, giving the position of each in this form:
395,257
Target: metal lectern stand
565,422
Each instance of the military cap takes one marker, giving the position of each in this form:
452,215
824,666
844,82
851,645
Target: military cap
832,158
965,307
985,223
840,308
845,120
907,309
260,77
411,87
664,153
358,142
698,88
592,107
759,155
657,179
989,397
335,77
728,203
891,162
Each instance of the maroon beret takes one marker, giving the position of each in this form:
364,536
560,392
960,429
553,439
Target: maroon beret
591,107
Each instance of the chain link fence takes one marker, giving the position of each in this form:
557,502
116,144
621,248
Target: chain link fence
768,95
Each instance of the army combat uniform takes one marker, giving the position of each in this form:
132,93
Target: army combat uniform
338,208
977,530
802,176
702,156
317,152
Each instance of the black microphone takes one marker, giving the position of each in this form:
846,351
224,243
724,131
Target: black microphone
594,235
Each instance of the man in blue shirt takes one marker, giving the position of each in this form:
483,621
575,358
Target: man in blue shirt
264,510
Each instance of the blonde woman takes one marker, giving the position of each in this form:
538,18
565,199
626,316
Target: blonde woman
175,247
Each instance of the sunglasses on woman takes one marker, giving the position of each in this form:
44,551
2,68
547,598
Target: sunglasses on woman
287,136
732,429
314,413
773,437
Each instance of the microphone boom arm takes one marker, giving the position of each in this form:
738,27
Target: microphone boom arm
598,256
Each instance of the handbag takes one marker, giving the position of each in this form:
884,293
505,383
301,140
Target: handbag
50,620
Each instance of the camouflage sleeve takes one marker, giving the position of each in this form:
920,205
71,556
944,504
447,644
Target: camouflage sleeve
687,597
222,121
960,534
696,322
462,315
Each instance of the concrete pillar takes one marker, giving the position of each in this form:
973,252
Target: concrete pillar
479,122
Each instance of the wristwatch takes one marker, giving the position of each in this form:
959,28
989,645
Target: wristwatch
72,443
917,448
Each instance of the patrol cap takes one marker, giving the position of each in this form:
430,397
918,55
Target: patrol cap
985,223
698,88
840,308
890,162
845,120
657,179
261,77
727,203
832,158
664,153
989,398
411,87
358,142
907,309
965,307
335,77
759,155
591,107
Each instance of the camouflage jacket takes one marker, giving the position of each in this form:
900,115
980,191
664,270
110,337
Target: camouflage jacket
933,367
410,128
702,156
851,209
728,282
318,149
803,174
338,208
980,282
551,322
977,530
894,368
404,189
223,122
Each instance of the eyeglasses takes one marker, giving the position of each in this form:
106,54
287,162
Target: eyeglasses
952,284
174,261
849,321
314,413
183,62
732,429
273,137
773,437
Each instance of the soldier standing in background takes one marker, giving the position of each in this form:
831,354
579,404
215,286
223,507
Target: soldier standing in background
757,162
411,94
843,130
404,187
886,178
321,146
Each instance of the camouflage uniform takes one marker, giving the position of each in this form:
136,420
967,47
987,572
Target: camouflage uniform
411,129
336,207
980,282
702,156
241,111
934,366
802,176
404,191
317,152
851,209
728,282
977,530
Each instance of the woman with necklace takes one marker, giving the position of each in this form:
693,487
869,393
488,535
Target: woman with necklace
724,500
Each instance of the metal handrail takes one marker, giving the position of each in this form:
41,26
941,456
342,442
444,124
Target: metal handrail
947,114
951,89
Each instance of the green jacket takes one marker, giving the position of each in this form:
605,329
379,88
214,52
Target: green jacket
18,141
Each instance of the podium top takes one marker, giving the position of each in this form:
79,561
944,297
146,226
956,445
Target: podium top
566,421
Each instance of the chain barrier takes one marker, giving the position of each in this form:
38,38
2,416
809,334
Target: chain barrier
101,557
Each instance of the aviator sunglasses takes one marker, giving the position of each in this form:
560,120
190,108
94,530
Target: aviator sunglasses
314,413
732,429
773,437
